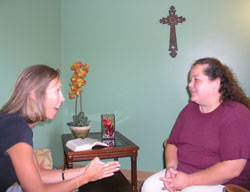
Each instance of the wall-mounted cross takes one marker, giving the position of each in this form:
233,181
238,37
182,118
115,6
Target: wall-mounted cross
172,20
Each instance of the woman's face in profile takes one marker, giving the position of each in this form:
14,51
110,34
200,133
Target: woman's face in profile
53,98
200,86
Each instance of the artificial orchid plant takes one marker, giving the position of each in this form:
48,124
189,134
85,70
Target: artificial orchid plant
77,81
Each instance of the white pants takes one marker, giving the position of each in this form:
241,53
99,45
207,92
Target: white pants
153,184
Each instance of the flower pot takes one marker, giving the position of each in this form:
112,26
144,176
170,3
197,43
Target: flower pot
80,132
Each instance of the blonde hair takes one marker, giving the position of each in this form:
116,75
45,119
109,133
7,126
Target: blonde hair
33,80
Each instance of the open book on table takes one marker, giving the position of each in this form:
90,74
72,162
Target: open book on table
80,144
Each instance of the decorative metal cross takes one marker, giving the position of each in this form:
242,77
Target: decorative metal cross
172,20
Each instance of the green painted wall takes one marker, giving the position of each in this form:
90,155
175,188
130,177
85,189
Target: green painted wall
131,73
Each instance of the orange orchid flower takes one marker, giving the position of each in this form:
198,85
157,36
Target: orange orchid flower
76,65
86,68
77,80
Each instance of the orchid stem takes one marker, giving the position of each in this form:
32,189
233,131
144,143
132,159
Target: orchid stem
81,101
76,119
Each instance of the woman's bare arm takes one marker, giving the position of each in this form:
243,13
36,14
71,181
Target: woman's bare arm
32,178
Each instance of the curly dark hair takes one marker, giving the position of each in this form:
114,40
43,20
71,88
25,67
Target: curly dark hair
229,88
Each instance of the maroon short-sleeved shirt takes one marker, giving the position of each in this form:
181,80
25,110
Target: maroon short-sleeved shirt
204,139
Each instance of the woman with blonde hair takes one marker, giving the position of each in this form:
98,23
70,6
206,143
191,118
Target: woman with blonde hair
36,97
209,144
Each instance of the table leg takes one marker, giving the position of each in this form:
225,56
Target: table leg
65,162
69,162
134,171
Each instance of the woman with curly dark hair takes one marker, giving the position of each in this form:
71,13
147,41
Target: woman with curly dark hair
229,88
209,145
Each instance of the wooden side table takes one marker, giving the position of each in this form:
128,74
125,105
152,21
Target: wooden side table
123,148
